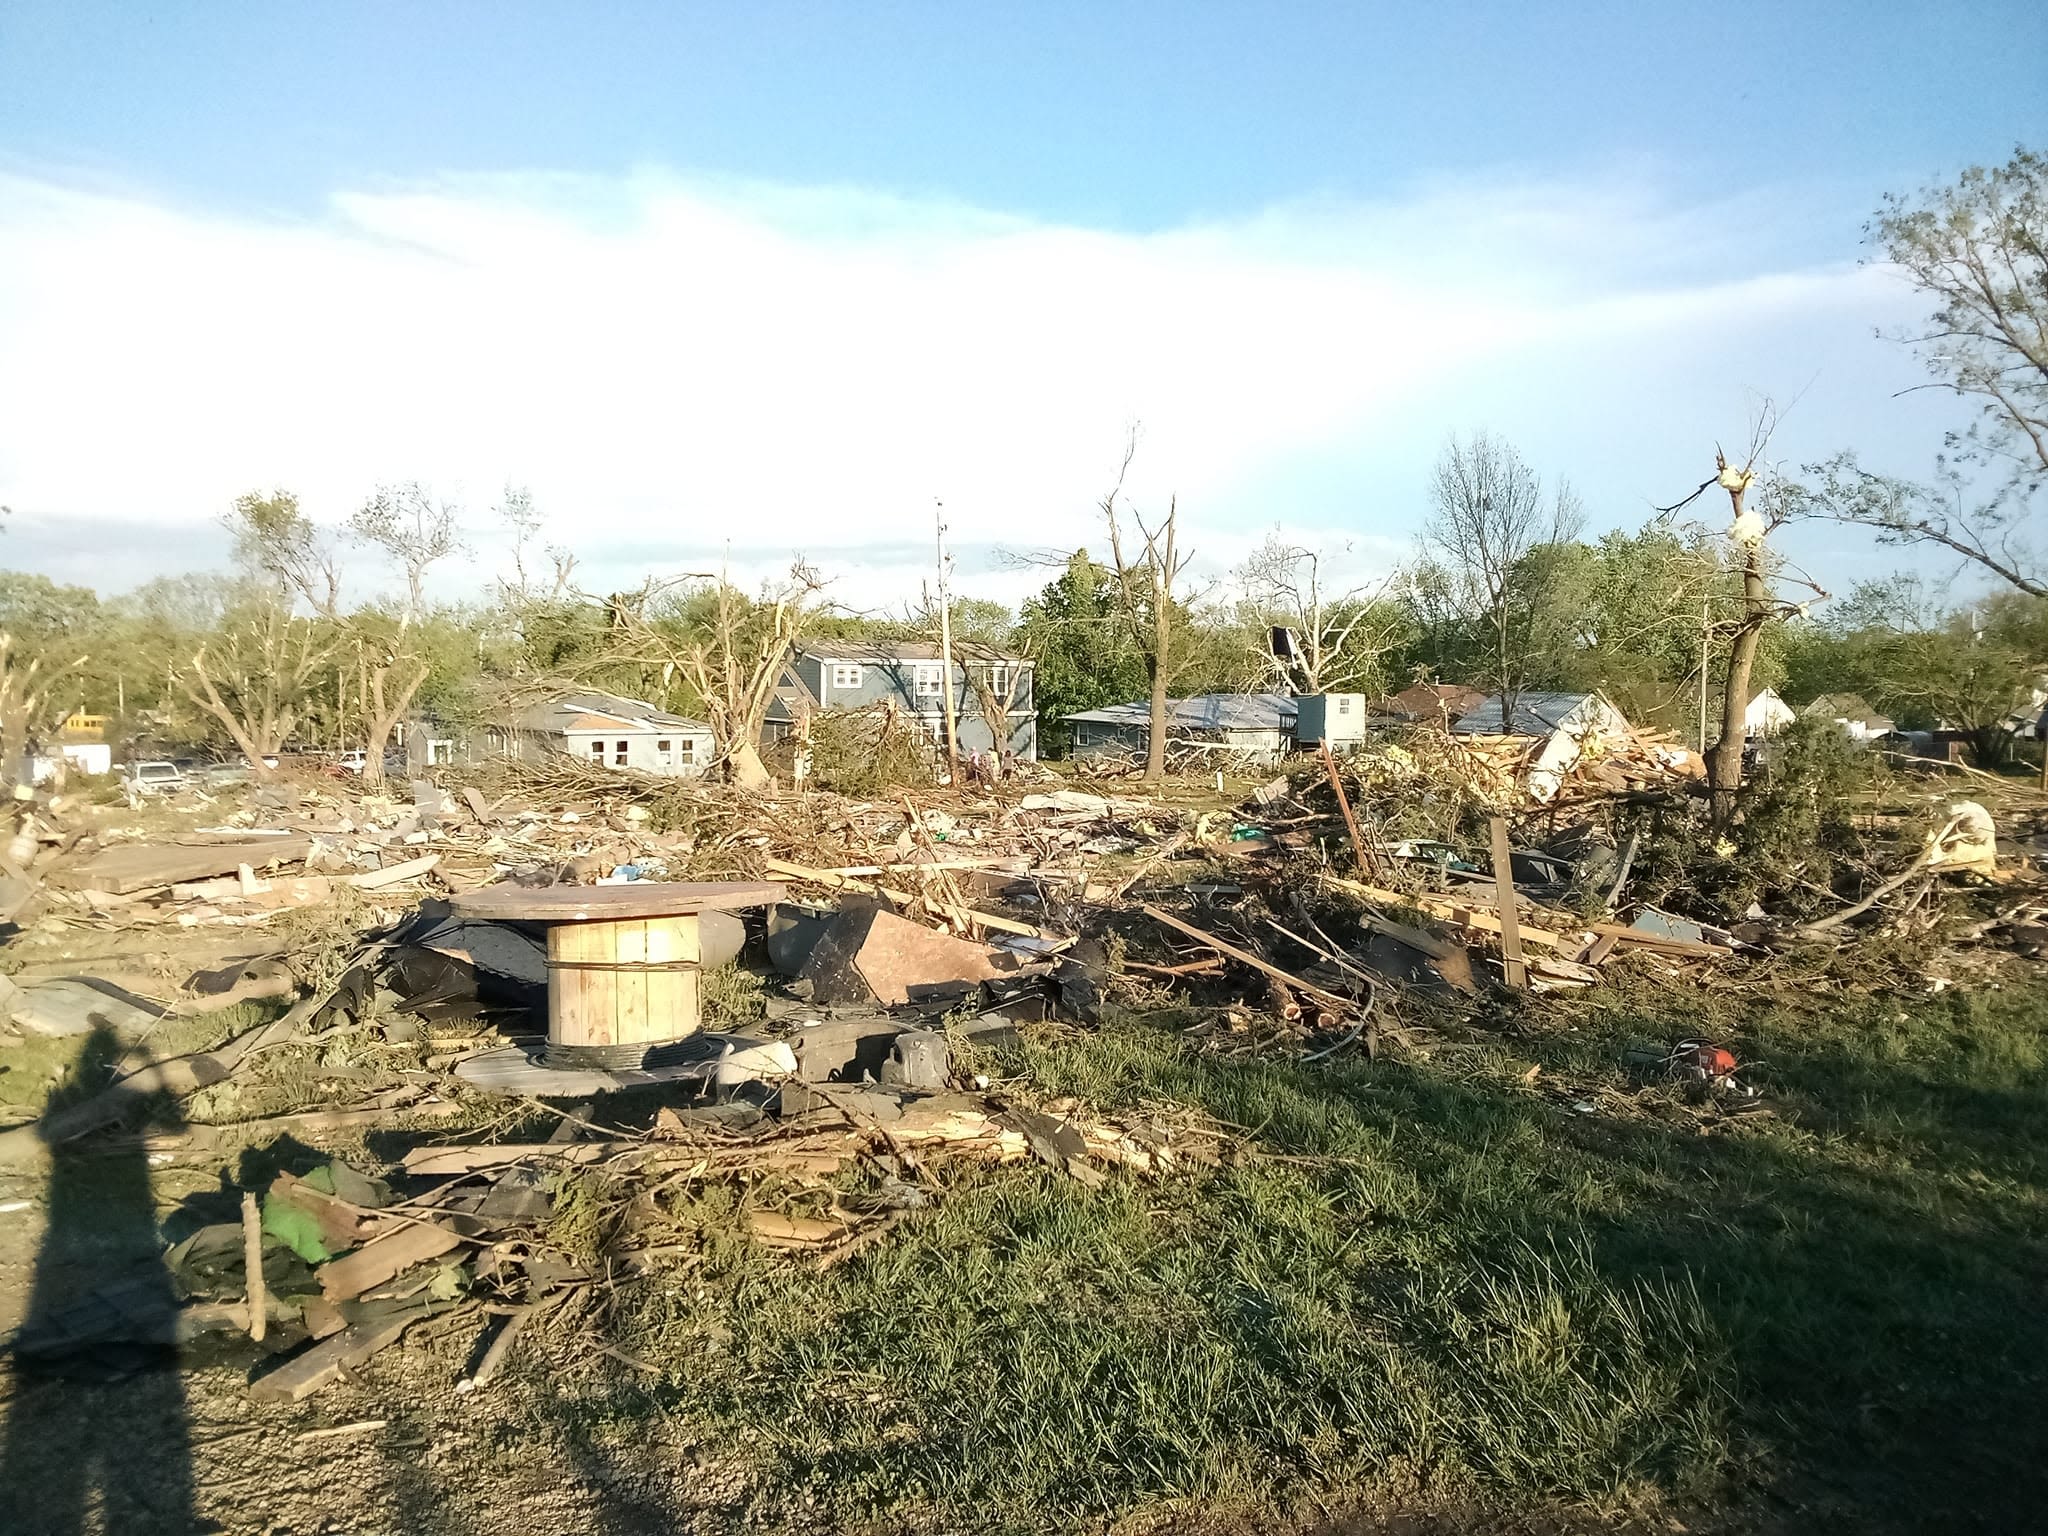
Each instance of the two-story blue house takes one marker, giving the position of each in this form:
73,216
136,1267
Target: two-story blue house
857,674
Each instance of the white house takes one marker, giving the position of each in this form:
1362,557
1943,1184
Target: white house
603,729
1766,715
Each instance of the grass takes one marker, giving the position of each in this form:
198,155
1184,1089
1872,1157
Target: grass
1433,1279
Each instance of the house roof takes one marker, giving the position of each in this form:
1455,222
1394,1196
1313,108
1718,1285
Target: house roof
1535,714
588,710
1847,706
1204,712
879,652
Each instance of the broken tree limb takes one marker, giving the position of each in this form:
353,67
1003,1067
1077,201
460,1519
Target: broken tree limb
252,1265
179,1076
1504,898
1245,957
1927,855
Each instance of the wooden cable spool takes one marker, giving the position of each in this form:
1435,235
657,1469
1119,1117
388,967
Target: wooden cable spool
625,984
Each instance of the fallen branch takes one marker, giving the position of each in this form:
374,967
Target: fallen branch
1245,957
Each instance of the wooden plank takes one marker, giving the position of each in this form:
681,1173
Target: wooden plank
374,1263
631,1021
1365,865
139,867
445,1162
1454,909
306,1373
1597,951
1504,906
391,874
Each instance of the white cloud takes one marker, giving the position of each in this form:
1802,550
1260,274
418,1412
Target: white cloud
673,366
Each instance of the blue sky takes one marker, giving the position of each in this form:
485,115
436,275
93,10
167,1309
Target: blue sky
253,243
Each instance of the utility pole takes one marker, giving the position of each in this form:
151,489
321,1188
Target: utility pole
946,653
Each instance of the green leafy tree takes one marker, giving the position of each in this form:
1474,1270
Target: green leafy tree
1977,250
1085,659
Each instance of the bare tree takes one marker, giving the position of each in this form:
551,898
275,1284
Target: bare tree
1341,634
997,683
1751,522
29,703
254,679
276,539
414,529
1144,573
732,655
1491,517
387,680
525,524
1978,250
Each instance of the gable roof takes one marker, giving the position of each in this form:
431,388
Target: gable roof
1534,714
883,652
589,710
1203,712
1847,706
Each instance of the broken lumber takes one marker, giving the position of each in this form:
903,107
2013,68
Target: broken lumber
388,1257
139,867
391,874
307,1372
1366,864
1504,901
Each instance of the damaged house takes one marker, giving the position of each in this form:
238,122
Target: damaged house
604,729
912,677
1556,731
1258,723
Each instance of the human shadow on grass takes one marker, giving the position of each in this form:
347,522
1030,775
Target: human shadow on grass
97,1430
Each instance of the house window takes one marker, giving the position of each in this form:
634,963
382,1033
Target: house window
688,755
999,680
597,751
440,752
930,679
845,674
1343,704
619,753
665,752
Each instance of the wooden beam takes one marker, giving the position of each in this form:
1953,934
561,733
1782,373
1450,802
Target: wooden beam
1504,899
1366,865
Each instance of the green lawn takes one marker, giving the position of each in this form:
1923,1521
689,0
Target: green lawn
1432,1280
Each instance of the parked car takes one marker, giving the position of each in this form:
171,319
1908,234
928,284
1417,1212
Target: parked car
154,778
353,761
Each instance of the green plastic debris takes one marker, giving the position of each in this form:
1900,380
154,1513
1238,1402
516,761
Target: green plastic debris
297,1229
